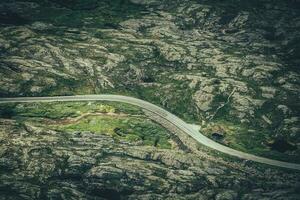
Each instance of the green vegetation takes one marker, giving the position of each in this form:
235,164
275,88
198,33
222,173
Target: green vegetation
244,139
119,120
132,129
88,13
57,110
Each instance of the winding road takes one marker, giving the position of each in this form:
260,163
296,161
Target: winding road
187,128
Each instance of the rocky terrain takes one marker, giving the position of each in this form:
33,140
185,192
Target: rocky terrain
232,67
39,161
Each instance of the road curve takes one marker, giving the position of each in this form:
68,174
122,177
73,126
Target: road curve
162,113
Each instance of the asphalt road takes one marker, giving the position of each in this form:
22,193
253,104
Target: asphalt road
188,129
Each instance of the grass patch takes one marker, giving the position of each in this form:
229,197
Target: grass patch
58,110
132,127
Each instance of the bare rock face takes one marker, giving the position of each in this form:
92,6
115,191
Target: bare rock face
204,100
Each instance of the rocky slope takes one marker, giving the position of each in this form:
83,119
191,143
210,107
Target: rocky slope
229,66
38,162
